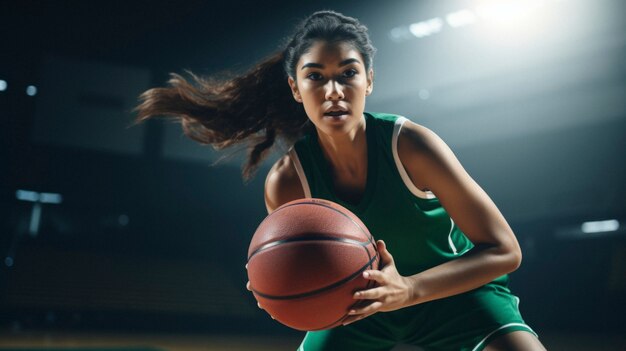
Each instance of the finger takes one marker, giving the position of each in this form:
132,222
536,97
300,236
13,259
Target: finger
378,276
369,294
385,255
351,319
248,286
367,310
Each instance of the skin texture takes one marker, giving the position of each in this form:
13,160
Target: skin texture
430,164
337,85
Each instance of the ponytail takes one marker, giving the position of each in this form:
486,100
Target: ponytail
255,108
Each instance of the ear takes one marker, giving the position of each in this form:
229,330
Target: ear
294,89
370,82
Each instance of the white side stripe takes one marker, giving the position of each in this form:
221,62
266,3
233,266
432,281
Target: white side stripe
405,177
301,348
452,247
480,344
296,162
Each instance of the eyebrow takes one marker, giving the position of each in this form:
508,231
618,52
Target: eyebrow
319,65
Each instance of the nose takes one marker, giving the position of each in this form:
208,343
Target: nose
334,90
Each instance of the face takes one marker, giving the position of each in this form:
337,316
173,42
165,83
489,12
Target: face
332,83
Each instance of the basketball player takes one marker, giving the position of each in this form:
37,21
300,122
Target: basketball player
445,287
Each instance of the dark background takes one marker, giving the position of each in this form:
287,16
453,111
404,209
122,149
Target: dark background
150,237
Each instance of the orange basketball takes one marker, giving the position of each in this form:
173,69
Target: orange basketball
306,260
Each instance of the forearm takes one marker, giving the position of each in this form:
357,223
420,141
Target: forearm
477,267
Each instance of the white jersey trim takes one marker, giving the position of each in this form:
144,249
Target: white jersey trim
301,348
405,176
450,242
296,162
480,345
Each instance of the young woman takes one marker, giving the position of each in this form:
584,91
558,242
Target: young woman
445,287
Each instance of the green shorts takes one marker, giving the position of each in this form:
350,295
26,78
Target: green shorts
468,321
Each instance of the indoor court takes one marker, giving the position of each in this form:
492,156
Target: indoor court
123,227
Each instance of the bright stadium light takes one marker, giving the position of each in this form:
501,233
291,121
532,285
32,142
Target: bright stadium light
399,34
37,199
27,195
3,85
50,198
508,12
461,18
519,17
426,28
600,226
31,90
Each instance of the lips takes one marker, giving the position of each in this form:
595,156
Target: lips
336,111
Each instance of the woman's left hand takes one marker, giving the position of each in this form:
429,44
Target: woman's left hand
392,292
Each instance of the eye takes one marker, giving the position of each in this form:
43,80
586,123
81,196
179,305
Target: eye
314,76
350,73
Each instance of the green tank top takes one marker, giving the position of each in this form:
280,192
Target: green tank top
418,231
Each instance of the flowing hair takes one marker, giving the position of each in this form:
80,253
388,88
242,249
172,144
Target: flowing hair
255,108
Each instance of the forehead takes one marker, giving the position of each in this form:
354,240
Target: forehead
329,53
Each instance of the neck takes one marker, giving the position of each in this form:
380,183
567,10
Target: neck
347,153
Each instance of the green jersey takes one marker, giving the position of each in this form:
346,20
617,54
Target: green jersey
419,234
418,231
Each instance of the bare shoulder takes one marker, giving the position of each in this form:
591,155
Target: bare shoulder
282,184
432,165
415,138
418,148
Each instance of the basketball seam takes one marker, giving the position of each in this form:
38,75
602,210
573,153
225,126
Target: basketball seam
317,291
344,316
304,239
370,284
369,238
317,202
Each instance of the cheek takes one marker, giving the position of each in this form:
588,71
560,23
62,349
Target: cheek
311,93
363,84
311,100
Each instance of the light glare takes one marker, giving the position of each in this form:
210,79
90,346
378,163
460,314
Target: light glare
426,28
600,226
50,198
461,18
508,12
400,33
27,195
33,196
35,220
31,90
424,94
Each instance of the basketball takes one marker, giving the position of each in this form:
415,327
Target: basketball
306,260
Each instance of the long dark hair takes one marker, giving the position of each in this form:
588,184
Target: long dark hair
257,107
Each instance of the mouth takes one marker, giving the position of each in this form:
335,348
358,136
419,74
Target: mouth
336,113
